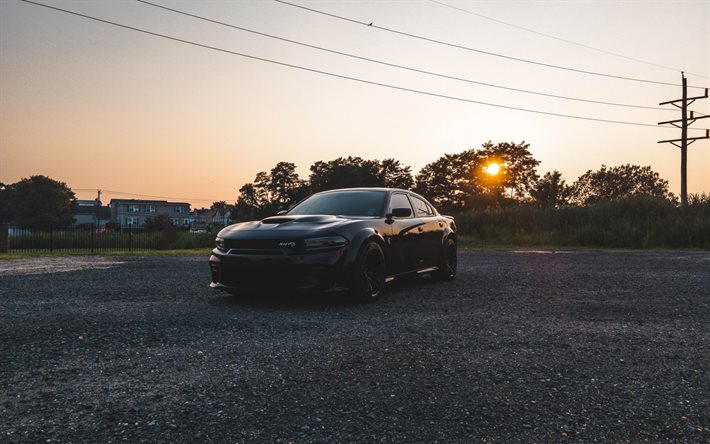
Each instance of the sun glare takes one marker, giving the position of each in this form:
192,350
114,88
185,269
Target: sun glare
493,169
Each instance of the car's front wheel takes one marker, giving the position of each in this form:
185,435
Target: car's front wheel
369,273
448,262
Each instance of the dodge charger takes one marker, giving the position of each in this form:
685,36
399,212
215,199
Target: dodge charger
354,239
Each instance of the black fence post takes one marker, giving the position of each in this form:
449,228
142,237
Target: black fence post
51,239
129,238
4,238
93,230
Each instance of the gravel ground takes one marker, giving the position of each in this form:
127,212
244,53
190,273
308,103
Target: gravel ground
523,346
42,265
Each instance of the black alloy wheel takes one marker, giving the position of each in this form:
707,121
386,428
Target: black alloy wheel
448,263
369,282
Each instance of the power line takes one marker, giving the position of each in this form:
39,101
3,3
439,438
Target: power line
123,193
480,51
421,71
340,76
571,42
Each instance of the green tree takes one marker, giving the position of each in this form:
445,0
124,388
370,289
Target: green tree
610,183
284,186
269,193
550,190
457,182
392,174
344,172
251,203
41,203
518,169
449,182
352,172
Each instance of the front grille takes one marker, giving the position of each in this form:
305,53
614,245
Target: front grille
245,275
260,244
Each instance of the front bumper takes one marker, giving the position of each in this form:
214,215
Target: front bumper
264,270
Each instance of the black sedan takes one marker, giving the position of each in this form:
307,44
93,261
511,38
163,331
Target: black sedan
352,239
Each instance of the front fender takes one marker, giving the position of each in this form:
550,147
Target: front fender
362,236
448,234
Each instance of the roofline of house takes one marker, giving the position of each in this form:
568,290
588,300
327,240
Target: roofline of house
147,201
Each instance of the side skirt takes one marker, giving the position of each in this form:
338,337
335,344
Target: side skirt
409,273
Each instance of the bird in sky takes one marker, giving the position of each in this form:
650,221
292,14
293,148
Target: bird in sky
370,23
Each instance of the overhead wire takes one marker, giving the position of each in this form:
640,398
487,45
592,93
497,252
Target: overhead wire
394,65
355,79
123,193
479,51
571,42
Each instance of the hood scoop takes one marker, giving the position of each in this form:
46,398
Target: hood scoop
311,219
277,220
321,219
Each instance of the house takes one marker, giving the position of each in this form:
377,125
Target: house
204,219
91,213
134,212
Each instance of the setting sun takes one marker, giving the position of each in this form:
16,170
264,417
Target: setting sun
493,169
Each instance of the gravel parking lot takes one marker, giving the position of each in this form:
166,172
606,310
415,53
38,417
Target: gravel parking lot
579,346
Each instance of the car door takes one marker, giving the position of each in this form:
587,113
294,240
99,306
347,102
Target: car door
403,241
431,231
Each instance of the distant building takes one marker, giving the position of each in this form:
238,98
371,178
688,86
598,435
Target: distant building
91,212
134,212
205,219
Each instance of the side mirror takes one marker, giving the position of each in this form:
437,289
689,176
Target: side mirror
282,212
400,212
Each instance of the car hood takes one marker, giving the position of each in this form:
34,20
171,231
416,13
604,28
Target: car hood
278,227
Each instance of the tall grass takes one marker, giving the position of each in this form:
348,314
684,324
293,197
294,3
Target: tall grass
638,222
187,240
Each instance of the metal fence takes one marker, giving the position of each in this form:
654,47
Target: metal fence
91,240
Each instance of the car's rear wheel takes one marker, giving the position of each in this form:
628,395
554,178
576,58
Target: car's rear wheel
448,262
369,274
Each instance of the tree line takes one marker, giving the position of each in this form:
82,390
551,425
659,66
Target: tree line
454,183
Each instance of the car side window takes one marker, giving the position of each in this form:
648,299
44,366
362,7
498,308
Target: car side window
399,200
421,209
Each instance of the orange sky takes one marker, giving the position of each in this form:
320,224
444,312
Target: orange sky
102,107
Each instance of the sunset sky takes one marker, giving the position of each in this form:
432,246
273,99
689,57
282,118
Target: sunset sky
99,106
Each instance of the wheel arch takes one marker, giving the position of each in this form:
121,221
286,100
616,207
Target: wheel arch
449,234
361,237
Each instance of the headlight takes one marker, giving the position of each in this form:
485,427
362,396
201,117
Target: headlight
219,242
325,242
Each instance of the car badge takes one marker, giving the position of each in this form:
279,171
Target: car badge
287,244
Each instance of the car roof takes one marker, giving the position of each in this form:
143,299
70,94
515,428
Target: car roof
366,189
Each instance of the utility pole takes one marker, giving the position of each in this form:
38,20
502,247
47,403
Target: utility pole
684,139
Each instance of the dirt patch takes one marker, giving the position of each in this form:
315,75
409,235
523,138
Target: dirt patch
40,265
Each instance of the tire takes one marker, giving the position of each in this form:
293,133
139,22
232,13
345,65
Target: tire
368,280
448,262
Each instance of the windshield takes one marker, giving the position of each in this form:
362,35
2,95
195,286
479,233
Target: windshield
343,203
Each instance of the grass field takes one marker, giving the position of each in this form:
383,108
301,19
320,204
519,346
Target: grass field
640,222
